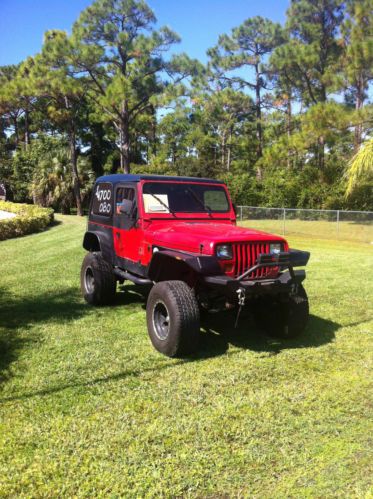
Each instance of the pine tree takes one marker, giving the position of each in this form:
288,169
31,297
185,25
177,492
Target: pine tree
121,55
314,50
357,64
247,47
11,107
53,77
311,58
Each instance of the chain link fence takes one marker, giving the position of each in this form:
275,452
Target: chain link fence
330,224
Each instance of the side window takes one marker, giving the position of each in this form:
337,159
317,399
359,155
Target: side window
124,196
103,199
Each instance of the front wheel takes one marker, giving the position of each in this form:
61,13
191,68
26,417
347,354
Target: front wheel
173,318
283,317
97,280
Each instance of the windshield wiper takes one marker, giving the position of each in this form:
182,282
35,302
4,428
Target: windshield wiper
161,202
205,207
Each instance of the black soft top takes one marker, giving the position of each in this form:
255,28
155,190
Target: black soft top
123,177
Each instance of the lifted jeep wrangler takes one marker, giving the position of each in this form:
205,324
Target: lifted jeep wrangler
179,235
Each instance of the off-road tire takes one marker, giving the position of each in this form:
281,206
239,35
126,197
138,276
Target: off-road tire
97,280
284,317
175,301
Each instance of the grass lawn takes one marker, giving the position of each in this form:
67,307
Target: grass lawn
345,230
89,408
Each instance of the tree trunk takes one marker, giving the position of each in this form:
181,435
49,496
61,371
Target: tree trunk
288,125
16,130
223,147
154,133
97,148
288,115
229,152
124,139
259,130
358,105
258,111
27,129
173,154
323,97
321,143
74,170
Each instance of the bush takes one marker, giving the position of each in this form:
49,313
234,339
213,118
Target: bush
29,219
244,189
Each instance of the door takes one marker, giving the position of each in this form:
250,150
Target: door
127,235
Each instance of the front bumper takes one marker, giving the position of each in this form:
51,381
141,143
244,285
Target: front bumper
284,283
287,279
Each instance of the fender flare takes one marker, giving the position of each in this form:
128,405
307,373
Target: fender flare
170,265
99,241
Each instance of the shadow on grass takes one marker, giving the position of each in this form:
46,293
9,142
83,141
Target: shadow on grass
215,340
217,333
53,224
217,330
18,314
96,381
132,294
23,312
318,332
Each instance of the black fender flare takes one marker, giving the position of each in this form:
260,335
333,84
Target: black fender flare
99,241
170,265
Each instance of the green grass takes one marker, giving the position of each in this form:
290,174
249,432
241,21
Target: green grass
88,408
346,230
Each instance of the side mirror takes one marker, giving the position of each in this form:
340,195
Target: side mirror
235,208
126,207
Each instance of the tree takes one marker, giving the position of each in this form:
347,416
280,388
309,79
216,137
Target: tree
313,50
17,99
281,74
174,129
358,55
247,46
54,78
52,181
310,59
226,112
11,108
122,56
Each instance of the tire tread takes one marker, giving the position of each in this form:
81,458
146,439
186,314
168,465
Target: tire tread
186,316
103,274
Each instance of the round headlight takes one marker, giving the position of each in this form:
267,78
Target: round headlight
224,252
275,248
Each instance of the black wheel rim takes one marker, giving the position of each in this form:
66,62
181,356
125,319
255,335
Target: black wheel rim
161,320
89,280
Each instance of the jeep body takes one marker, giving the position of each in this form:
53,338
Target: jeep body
179,235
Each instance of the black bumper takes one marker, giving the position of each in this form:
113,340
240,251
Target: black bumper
283,283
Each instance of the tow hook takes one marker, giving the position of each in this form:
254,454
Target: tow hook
241,302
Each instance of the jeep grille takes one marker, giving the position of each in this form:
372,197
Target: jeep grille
245,255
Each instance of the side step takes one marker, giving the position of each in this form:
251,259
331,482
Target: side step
124,274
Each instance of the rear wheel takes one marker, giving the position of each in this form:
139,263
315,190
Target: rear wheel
284,317
97,281
173,318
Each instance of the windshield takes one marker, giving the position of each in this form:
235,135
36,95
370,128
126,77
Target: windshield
163,197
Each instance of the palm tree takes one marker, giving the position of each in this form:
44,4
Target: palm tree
52,183
361,167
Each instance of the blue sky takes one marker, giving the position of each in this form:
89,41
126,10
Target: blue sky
198,22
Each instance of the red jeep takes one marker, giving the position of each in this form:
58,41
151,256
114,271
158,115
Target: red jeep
179,235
